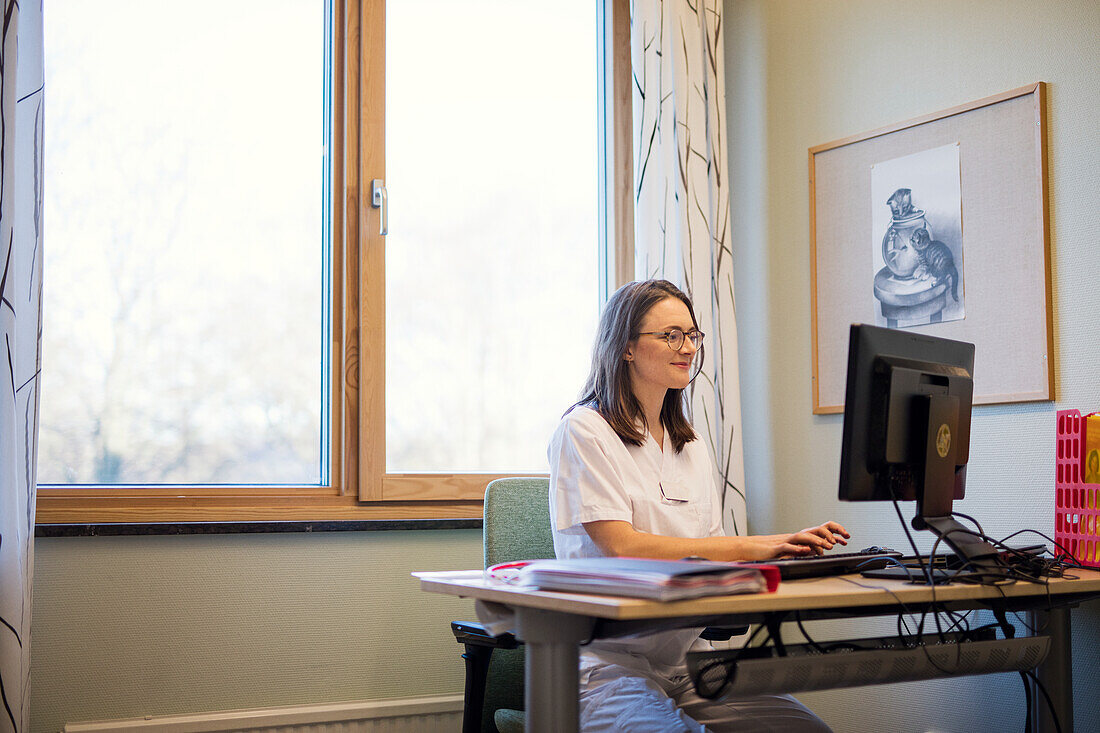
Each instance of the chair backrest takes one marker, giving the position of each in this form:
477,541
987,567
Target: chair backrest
517,520
516,527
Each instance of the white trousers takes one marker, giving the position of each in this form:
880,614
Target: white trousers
616,698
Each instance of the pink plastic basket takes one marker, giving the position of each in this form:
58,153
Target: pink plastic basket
1076,504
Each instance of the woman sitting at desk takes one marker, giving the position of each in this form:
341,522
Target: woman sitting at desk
629,477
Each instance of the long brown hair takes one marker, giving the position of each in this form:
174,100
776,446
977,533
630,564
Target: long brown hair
608,390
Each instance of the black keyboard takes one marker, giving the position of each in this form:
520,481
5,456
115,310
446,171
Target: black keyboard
836,563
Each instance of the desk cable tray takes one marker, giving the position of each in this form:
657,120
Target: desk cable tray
758,670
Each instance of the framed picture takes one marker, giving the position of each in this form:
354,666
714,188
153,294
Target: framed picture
938,225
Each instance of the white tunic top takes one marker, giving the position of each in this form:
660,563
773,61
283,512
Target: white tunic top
595,476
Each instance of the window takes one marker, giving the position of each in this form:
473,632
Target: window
491,160
221,312
184,302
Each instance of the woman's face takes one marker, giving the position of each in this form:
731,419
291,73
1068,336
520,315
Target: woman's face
653,366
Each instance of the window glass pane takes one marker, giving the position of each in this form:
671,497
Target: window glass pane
185,313
491,261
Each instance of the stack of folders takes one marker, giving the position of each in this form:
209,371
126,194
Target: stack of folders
660,580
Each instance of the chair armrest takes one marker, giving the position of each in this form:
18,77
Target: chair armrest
722,633
479,645
470,632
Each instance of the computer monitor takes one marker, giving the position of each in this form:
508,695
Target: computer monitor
907,428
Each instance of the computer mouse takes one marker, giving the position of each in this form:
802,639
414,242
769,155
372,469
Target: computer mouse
874,550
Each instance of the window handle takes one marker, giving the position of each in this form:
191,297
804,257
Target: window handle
378,201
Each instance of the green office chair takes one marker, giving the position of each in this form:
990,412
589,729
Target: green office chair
516,527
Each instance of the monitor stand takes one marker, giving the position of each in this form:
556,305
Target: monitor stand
935,498
973,555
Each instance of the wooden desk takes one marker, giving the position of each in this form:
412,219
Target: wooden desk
553,624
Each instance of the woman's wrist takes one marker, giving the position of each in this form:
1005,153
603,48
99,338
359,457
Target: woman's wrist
745,549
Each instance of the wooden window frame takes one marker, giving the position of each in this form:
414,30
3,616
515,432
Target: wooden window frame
359,488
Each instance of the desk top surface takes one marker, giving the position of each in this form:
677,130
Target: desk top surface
838,592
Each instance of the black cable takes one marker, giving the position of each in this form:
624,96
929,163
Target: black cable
1026,567
748,643
912,543
979,575
926,569
775,634
1025,624
1036,570
1027,702
920,627
903,629
728,664
1005,572
978,570
1061,559
825,649
959,621
813,644
1046,696
705,692
901,603
977,524
1016,565
900,623
1032,569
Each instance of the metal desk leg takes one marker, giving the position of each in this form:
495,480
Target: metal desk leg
1055,673
550,678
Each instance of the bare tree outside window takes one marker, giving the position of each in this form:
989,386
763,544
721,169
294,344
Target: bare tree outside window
186,272
183,289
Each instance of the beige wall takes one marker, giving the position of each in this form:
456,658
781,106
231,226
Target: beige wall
802,73
153,625
131,626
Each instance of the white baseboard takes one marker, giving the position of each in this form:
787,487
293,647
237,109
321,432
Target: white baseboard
434,713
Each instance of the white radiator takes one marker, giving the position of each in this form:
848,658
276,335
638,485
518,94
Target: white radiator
407,715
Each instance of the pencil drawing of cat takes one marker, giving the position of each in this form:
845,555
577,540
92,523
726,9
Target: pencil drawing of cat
901,203
936,260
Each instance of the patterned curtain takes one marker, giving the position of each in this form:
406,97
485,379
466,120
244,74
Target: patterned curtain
681,210
21,81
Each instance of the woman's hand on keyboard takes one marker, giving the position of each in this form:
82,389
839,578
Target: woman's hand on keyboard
620,539
813,540
810,541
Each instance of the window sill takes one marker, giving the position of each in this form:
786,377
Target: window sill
77,509
406,498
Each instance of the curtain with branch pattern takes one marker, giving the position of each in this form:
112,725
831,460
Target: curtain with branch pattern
681,210
21,125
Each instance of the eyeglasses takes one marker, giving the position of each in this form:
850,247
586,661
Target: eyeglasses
675,337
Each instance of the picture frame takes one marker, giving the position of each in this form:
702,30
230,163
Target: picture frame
1000,219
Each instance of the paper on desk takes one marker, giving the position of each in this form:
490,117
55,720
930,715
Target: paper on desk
661,580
